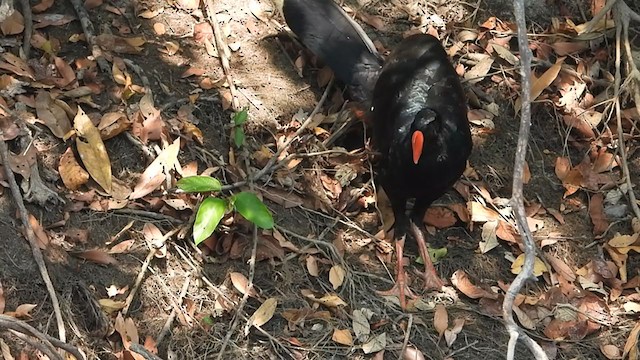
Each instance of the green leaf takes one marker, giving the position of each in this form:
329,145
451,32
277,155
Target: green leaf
241,117
209,215
249,206
199,184
435,254
238,136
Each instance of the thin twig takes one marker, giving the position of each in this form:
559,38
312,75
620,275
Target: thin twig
33,242
174,311
407,335
517,197
223,53
142,272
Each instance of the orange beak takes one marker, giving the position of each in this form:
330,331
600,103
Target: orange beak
417,141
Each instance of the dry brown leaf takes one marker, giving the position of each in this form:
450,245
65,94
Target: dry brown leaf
562,168
560,267
489,238
330,300
450,335
312,266
527,173
52,114
262,315
440,217
12,24
543,82
611,352
111,306
336,276
631,345
461,281
342,337
622,241
97,256
440,319
155,174
479,71
109,42
412,353
92,150
22,311
122,247
41,235
16,65
481,213
72,174
538,267
596,212
241,283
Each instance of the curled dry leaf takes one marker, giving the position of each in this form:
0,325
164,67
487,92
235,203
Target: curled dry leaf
440,319
611,352
22,311
450,335
489,238
312,266
53,113
155,174
72,174
329,300
241,283
596,212
461,281
412,353
342,337
336,276
631,345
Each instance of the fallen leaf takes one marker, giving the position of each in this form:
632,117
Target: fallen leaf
538,267
596,212
342,337
155,173
312,266
97,256
72,174
631,345
92,151
241,283
450,335
376,344
336,276
361,326
440,319
461,281
262,315
489,238
440,217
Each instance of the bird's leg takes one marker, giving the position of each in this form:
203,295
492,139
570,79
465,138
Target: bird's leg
431,279
401,288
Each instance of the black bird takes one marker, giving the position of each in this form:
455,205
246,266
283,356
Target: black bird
418,108
421,130
324,28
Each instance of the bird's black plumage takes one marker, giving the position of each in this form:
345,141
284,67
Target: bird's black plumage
418,91
324,28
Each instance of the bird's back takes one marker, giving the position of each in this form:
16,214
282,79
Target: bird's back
418,77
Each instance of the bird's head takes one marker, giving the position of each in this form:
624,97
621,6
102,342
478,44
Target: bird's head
424,128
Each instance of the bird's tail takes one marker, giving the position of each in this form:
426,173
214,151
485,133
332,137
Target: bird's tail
332,35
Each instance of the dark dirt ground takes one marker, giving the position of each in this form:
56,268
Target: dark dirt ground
265,74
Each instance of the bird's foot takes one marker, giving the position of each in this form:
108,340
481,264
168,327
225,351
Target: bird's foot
401,290
431,280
